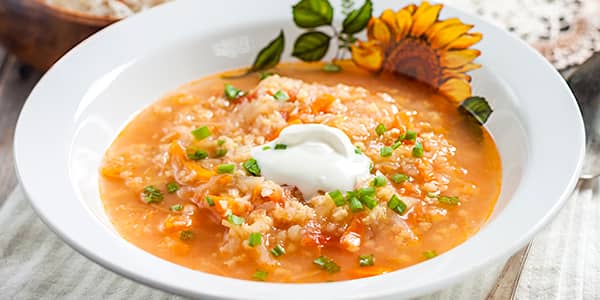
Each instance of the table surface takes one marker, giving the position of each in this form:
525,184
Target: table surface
17,80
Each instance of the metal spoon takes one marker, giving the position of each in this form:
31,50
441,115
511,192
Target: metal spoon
585,84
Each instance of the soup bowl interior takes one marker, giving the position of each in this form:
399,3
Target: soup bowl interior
89,96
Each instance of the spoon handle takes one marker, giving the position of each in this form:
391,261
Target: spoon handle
507,283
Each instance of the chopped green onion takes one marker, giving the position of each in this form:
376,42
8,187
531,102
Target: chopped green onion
337,197
254,239
220,142
433,194
281,96
357,150
369,201
225,169
251,166
367,191
430,254
233,93
410,135
220,152
327,264
186,235
380,129
201,133
379,181
235,220
400,138
263,75
386,151
265,148
197,154
172,187
278,251
355,204
210,201
351,194
176,207
260,275
280,146
397,205
371,167
331,67
450,200
152,195
417,150
366,260
399,178
396,145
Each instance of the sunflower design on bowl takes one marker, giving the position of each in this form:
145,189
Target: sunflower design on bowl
414,42
411,42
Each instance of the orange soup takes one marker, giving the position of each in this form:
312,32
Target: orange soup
180,181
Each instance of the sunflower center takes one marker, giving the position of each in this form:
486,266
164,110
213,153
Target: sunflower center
414,58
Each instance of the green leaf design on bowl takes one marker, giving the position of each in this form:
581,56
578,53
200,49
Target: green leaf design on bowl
311,46
477,107
312,13
358,19
270,55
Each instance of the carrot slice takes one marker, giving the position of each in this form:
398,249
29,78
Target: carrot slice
112,170
224,204
322,103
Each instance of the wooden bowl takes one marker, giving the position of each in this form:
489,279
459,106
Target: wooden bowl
39,34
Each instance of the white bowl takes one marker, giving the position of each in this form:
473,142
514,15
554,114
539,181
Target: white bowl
80,105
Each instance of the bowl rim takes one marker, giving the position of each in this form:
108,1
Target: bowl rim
223,287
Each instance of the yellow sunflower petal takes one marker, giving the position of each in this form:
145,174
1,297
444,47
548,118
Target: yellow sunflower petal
433,30
378,30
404,22
411,8
465,41
466,68
389,18
458,58
424,17
448,74
448,34
456,89
368,55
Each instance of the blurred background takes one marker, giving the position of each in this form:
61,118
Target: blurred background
38,32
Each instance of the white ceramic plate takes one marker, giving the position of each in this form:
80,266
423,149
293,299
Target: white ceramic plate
81,104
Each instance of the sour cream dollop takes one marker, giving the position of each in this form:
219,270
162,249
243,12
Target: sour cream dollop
316,158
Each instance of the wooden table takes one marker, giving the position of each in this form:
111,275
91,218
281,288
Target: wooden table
16,81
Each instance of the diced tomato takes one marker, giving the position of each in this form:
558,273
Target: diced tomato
313,235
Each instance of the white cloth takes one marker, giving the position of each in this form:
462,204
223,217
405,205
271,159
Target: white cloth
35,264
